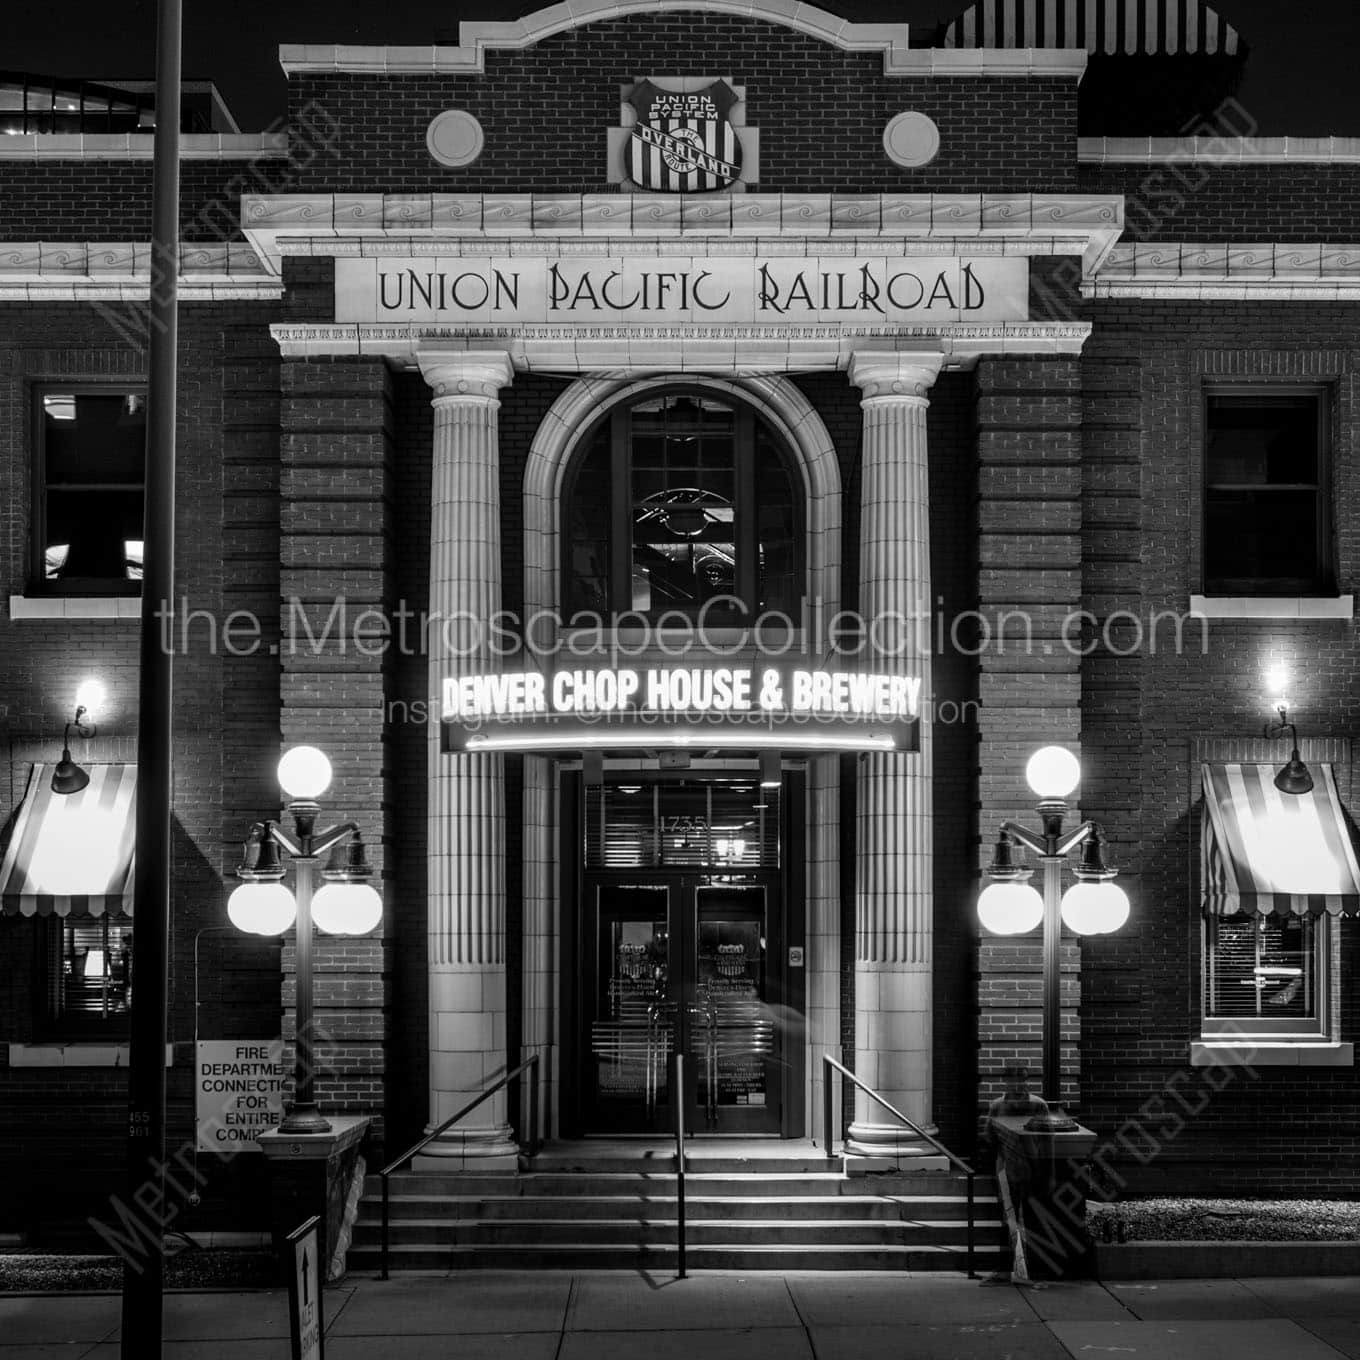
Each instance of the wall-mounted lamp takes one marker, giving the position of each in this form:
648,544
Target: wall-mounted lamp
68,777
1294,777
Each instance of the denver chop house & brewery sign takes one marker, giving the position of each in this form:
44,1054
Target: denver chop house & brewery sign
651,289
681,705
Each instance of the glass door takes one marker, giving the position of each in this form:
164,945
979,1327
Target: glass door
684,964
630,1008
733,1037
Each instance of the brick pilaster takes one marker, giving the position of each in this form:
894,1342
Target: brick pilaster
335,547
1029,683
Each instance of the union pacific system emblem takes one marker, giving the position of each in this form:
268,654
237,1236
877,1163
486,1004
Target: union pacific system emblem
683,143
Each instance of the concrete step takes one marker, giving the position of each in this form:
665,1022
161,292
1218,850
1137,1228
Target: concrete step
660,1231
596,1256
406,1208
535,1184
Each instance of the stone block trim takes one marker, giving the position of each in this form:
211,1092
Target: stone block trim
1028,414
334,561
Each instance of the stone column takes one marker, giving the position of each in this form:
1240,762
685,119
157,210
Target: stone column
466,888
893,897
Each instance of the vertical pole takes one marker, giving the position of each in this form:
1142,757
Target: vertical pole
680,1164
1052,1057
303,1116
972,1261
386,1211
828,1111
144,1281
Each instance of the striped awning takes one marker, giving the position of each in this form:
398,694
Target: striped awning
1269,852
1115,27
72,854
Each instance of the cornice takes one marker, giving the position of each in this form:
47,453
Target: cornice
1228,272
1228,151
743,350
38,271
351,224
137,146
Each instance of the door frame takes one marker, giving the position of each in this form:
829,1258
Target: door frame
786,983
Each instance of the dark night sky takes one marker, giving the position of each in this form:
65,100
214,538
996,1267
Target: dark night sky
1301,79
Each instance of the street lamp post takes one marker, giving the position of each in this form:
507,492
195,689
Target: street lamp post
344,905
1094,905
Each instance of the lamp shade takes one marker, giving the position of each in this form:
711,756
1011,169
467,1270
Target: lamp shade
1053,772
1294,778
262,908
1095,908
304,772
68,777
1010,908
346,908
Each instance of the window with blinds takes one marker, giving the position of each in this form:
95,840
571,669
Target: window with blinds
1265,975
86,967
682,824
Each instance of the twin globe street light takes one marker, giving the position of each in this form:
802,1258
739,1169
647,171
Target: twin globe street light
1093,905
344,905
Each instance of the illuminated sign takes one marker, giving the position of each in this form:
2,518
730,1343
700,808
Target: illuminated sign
479,290
784,707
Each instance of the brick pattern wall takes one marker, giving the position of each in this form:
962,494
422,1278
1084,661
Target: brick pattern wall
821,114
1029,567
1250,203
335,555
1273,1130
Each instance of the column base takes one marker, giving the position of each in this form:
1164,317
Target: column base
894,1146
487,1149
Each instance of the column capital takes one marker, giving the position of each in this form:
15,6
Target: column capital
905,374
471,375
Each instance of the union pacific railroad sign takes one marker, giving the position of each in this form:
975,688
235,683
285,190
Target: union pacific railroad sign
683,143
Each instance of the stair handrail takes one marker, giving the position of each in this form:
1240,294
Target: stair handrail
416,1148
829,1138
680,1164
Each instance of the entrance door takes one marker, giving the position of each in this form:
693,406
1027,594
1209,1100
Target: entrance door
687,964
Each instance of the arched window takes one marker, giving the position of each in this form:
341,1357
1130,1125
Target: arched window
682,500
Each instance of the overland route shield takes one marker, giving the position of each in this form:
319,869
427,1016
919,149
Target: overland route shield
683,143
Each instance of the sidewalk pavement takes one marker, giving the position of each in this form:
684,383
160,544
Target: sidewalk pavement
619,1315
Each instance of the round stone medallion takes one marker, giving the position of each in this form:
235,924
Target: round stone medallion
911,140
454,138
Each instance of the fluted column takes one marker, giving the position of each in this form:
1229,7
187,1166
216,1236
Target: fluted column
893,898
466,910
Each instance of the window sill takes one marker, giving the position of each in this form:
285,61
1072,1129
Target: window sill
1273,606
75,607
1270,1053
90,1053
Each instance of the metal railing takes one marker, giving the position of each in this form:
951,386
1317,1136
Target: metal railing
398,1162
829,1124
680,1164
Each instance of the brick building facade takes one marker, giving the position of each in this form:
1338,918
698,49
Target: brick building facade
1039,456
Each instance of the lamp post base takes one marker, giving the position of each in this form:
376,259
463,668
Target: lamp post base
304,1119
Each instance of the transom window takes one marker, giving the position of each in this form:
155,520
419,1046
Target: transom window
1267,521
89,490
682,502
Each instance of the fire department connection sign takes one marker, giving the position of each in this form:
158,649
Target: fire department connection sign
239,1085
915,290
528,710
